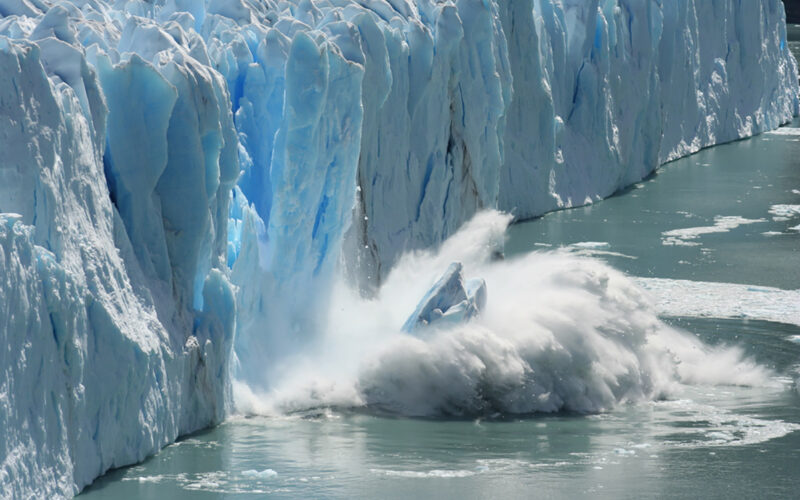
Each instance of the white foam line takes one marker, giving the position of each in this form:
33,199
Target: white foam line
723,300
591,244
785,131
424,474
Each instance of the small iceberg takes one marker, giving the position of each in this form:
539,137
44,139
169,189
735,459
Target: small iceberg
450,300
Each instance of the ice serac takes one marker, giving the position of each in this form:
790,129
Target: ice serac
177,173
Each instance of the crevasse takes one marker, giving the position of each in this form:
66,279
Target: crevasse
179,174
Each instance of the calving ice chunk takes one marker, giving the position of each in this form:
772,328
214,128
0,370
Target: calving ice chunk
190,177
450,300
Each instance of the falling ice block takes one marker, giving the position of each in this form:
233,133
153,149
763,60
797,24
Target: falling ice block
450,300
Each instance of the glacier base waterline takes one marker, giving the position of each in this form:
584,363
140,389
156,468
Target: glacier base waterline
181,179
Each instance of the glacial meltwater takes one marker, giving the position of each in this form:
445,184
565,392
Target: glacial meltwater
713,239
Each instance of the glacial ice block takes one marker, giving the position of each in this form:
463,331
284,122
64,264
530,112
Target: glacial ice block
450,300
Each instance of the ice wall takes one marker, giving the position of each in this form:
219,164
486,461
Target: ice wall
116,315
175,170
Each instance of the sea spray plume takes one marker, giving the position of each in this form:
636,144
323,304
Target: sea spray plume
559,333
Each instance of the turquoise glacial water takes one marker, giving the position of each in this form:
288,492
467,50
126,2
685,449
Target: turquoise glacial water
706,442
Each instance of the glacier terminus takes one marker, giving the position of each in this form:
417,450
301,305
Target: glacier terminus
183,183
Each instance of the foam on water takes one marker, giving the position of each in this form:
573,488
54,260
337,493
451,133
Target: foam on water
722,224
722,300
594,249
591,244
436,473
785,131
220,482
559,332
784,212
719,427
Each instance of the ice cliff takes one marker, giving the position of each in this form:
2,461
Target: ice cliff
116,315
176,174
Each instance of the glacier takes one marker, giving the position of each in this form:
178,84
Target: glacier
182,181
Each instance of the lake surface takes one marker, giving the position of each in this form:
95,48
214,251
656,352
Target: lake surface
727,215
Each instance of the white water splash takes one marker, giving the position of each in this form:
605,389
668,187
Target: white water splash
559,332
